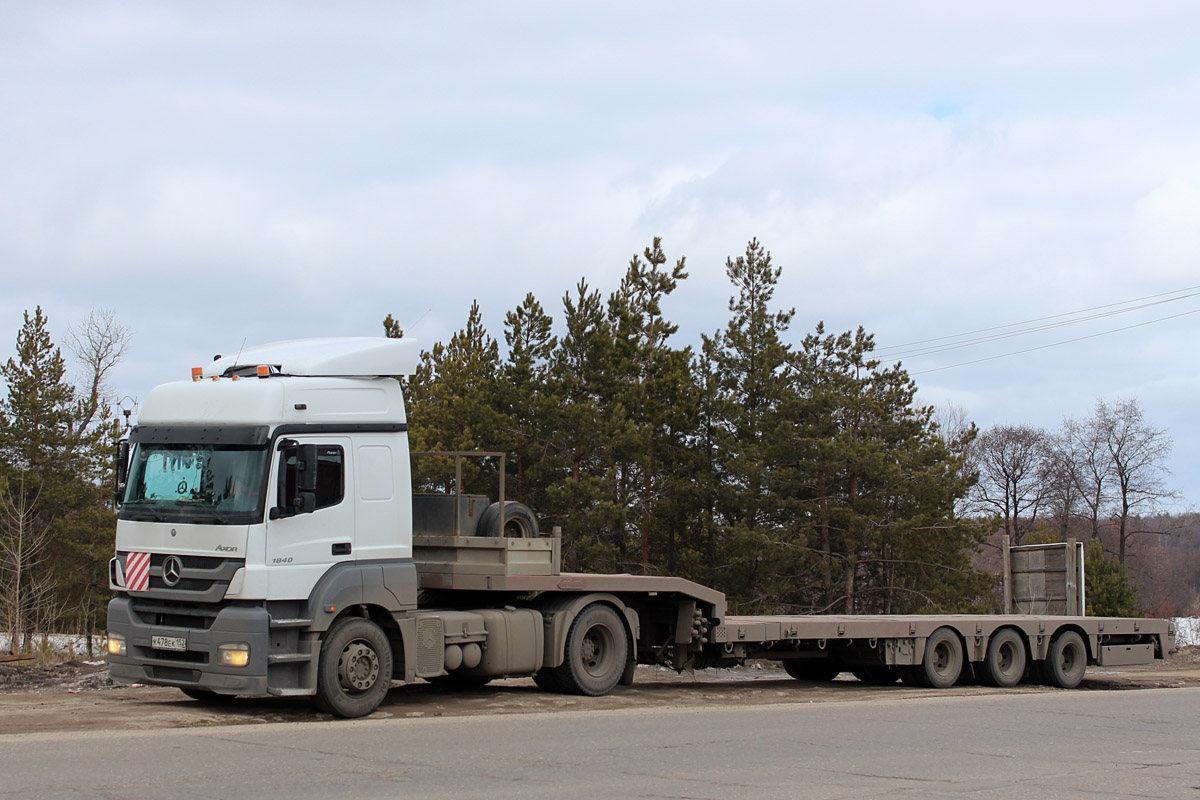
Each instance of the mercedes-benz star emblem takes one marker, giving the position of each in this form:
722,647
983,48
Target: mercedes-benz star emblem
172,570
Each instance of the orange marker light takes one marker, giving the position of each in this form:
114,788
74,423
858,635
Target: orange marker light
197,372
263,370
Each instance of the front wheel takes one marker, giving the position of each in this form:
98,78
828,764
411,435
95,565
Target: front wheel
354,669
595,654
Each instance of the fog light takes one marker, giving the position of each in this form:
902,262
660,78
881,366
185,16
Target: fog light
234,654
116,644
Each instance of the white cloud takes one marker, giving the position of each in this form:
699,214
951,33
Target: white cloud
221,171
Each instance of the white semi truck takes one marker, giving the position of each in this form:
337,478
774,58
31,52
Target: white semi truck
269,543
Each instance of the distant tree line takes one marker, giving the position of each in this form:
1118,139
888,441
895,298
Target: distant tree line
796,478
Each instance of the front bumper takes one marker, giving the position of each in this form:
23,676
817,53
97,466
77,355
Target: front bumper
199,666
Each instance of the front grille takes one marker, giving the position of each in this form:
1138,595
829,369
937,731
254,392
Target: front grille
173,615
205,578
184,585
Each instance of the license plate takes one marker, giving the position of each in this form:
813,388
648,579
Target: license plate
168,642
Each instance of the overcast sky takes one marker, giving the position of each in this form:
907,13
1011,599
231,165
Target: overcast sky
226,172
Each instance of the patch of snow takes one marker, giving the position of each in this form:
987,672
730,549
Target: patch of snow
1187,631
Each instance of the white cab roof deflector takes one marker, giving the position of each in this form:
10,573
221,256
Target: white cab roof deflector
348,356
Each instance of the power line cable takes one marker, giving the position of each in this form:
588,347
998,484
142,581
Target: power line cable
1013,334
1039,319
1056,344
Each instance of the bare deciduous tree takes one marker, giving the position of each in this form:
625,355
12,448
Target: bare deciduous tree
1012,462
1063,485
98,342
24,543
1136,452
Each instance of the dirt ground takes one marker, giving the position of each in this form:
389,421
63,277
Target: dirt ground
78,696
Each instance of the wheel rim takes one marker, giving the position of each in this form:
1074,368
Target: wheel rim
596,650
942,658
358,667
1069,659
1007,657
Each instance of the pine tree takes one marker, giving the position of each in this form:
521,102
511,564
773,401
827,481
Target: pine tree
651,383
1107,586
451,406
54,454
747,383
583,496
525,401
873,484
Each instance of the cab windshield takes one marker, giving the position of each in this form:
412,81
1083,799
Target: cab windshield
221,484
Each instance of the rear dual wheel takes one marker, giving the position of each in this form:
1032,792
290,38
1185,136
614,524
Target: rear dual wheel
943,661
1066,661
1004,664
597,650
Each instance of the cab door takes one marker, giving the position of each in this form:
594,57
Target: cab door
301,546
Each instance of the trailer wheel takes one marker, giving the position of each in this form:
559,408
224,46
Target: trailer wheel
596,652
943,660
1066,661
354,669
519,521
1004,665
821,670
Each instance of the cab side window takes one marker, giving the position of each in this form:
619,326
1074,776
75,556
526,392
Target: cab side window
331,477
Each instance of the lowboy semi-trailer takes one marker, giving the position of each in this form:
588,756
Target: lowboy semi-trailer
269,543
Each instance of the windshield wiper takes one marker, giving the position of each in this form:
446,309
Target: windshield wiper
206,513
150,514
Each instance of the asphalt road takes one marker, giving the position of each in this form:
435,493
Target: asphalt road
1081,744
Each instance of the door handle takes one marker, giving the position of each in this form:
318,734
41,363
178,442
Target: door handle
341,549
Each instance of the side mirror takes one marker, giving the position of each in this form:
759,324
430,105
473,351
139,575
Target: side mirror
297,480
306,463
121,470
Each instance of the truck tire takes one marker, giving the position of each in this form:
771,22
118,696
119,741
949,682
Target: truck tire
354,669
818,670
943,660
519,522
596,652
1004,664
1066,661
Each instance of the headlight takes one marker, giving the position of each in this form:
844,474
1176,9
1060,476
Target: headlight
116,644
234,654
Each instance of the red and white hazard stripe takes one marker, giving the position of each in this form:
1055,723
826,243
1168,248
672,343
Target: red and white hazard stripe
137,572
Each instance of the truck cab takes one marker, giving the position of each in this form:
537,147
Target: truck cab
257,498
